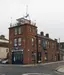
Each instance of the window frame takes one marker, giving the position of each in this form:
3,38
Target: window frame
16,31
19,41
32,40
19,30
15,42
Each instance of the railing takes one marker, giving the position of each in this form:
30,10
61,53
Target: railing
22,22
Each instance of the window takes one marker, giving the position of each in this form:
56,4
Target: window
48,44
15,42
39,41
15,31
19,41
19,30
44,44
52,45
32,41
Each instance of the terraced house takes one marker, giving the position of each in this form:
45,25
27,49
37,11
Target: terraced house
28,47
47,48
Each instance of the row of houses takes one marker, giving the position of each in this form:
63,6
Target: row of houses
26,46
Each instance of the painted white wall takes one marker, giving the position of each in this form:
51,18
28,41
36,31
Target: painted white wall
4,41
3,52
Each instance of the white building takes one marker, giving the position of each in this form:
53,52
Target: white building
4,48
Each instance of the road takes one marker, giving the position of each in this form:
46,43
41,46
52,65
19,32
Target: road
41,69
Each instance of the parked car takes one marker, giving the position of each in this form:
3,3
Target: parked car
39,61
5,61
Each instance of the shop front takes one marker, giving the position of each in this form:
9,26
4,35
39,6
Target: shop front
17,57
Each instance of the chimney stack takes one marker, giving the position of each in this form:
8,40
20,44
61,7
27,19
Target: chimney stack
55,40
47,35
42,33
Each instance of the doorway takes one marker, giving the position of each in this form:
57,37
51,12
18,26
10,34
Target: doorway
17,57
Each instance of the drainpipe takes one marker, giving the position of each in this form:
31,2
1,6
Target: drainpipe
37,46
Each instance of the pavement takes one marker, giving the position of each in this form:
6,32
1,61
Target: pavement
60,69
33,64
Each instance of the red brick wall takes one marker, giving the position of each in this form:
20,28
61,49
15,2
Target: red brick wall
50,51
26,42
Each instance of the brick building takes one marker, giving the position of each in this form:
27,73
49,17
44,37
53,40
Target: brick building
27,47
61,48
47,49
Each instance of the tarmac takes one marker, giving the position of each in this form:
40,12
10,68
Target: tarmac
58,69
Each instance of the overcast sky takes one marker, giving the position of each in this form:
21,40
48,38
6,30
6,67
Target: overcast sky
49,15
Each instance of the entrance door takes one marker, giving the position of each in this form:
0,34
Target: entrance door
46,57
39,57
12,57
17,58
